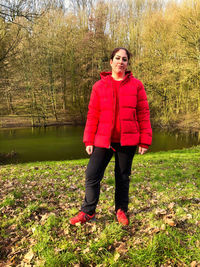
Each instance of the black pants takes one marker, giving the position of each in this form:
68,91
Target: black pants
95,171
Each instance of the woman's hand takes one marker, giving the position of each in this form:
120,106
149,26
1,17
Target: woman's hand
142,150
89,149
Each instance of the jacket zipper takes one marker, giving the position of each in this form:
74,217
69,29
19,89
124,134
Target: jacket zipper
114,112
123,81
119,113
114,98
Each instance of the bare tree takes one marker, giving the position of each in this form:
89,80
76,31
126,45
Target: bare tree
82,5
28,9
21,13
10,9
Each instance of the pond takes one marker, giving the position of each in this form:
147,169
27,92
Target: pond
65,142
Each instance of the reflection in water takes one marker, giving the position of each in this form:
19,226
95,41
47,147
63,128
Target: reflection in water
65,142
163,141
11,157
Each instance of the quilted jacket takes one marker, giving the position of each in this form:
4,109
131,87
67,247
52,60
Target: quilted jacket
133,112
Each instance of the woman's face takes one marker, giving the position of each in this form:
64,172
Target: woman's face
120,62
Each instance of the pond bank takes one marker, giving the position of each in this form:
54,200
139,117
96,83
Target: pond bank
13,121
182,123
188,122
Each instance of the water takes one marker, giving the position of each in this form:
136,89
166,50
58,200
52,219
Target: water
65,143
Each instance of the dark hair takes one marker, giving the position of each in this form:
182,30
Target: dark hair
119,48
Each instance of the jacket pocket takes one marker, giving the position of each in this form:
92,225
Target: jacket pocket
135,120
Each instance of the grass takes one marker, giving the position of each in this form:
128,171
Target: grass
37,200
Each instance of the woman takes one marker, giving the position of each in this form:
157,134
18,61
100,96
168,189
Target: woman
118,120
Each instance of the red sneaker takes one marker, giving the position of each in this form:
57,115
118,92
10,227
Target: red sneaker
82,217
121,217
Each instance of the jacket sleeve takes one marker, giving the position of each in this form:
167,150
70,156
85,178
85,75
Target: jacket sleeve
92,118
143,116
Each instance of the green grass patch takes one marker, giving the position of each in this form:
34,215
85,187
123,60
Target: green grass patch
38,199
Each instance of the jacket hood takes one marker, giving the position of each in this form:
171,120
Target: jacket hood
107,75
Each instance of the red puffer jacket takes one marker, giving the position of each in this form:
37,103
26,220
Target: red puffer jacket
133,112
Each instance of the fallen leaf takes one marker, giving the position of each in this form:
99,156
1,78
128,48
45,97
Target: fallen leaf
39,262
122,248
163,227
171,205
160,212
193,264
133,230
189,216
44,217
12,260
94,228
183,219
86,250
169,220
117,256
198,223
28,257
13,227
154,231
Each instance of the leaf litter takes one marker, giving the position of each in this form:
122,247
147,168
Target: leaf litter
37,201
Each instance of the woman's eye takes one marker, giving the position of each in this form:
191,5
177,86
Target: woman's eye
124,59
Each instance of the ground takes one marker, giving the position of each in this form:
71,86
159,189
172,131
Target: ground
38,199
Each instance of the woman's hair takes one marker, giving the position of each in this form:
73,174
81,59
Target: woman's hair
117,49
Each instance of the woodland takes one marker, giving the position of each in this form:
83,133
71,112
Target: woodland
51,53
